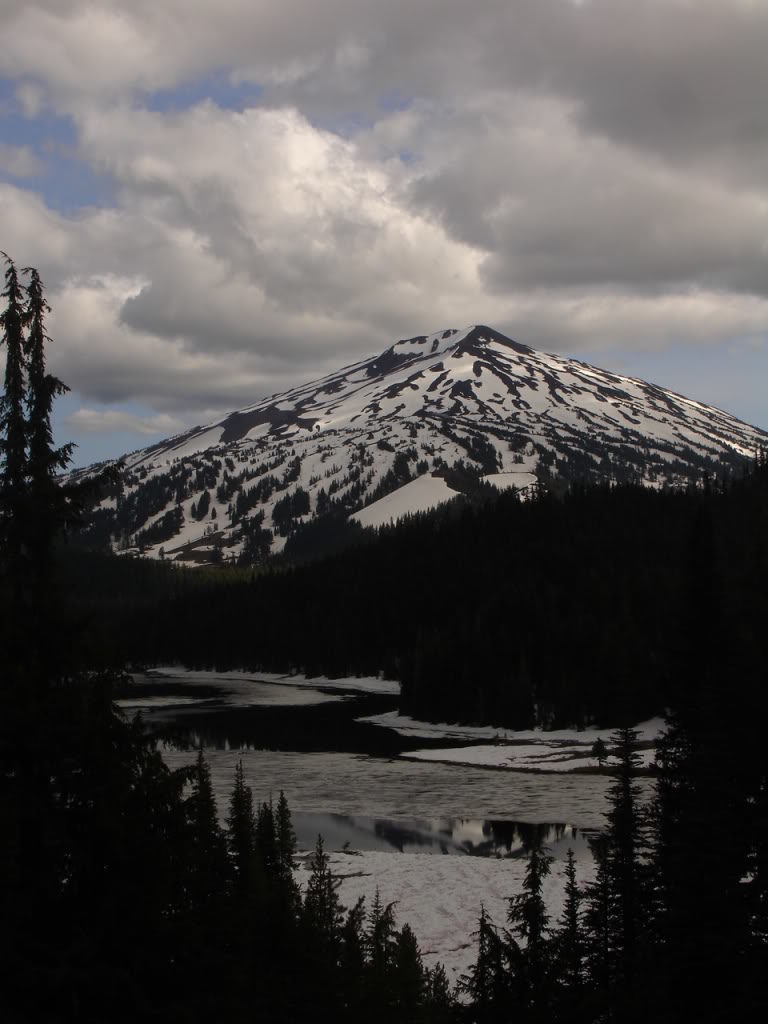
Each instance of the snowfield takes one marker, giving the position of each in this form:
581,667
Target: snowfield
440,897
240,683
561,750
540,757
420,495
425,404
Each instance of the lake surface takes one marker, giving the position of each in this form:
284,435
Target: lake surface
351,780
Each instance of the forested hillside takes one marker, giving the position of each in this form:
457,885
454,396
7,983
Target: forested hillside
601,605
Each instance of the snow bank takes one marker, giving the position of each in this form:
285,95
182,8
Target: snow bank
406,726
440,897
351,684
531,757
421,494
561,750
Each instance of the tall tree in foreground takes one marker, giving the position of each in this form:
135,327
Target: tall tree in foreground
709,858
241,831
627,843
285,853
487,983
208,847
570,945
528,920
46,504
617,901
13,454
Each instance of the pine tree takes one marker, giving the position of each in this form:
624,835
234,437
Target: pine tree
46,498
285,863
286,842
487,983
597,919
627,844
704,931
208,848
599,751
570,939
409,979
266,840
757,887
380,944
441,1001
241,830
352,964
322,909
13,453
617,912
528,919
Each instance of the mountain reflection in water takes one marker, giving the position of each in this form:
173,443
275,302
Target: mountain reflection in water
461,836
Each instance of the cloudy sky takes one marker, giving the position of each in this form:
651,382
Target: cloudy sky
228,198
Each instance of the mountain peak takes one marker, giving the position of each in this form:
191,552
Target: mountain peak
381,437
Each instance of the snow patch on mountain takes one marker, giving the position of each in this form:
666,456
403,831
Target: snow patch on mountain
394,427
420,495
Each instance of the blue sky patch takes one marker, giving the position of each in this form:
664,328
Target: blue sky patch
67,183
217,88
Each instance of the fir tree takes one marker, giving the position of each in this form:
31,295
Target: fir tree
705,932
241,830
617,902
528,920
409,979
208,849
380,944
322,909
352,963
13,453
266,840
487,982
46,498
285,845
627,844
570,939
441,1001
599,751
597,919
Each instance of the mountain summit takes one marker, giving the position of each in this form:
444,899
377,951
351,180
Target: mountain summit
401,432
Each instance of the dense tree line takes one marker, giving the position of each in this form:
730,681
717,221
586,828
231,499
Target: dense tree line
590,606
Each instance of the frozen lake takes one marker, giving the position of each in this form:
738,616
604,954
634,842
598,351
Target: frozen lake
379,812
307,738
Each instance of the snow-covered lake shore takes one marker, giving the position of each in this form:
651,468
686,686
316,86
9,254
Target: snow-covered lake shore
440,897
388,821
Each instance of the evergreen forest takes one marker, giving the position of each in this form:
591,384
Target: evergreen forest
126,893
605,605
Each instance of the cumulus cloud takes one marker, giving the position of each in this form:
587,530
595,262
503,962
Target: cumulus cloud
108,421
583,175
19,161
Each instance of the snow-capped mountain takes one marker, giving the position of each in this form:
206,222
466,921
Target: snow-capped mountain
403,432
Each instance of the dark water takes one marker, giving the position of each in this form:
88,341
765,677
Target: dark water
346,779
226,715
313,728
473,837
